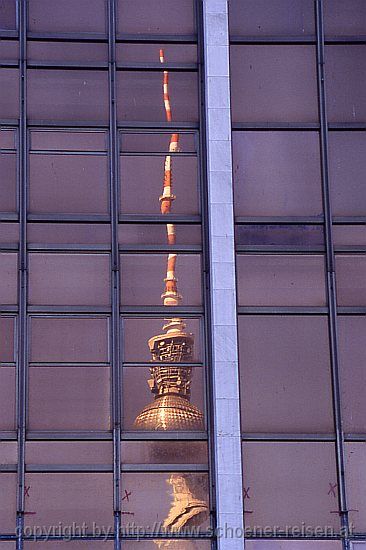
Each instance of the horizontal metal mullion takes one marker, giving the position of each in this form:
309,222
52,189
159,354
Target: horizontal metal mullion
346,126
270,249
351,310
69,468
69,435
9,64
68,65
279,220
148,124
165,311
14,122
8,435
162,154
282,310
69,247
162,363
166,436
68,364
156,66
349,249
300,437
165,248
67,37
50,123
9,217
349,220
275,126
8,308
68,153
69,218
355,438
8,468
164,468
157,38
158,219
12,34
4,247
69,309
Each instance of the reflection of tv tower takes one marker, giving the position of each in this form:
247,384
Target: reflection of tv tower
170,382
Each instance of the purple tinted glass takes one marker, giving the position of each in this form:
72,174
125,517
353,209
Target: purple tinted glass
286,280
349,235
280,478
273,83
345,18
65,16
151,544
8,278
156,143
69,452
278,17
293,545
157,234
140,96
72,545
149,53
9,50
8,14
8,453
9,233
63,140
305,236
8,491
276,174
165,17
7,398
142,279
69,279
281,373
69,398
356,485
7,139
346,83
68,95
71,233
69,339
9,93
7,328
164,452
347,164
67,51
142,181
351,280
8,171
68,183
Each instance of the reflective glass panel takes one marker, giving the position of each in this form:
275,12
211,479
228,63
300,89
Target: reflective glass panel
69,234
299,236
135,234
7,334
8,489
8,14
65,16
9,93
69,452
164,452
351,280
166,17
356,485
8,171
7,398
8,278
345,18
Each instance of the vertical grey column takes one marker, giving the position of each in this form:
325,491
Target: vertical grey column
227,439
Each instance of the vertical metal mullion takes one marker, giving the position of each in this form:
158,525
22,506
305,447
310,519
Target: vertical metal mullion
330,270
115,285
22,270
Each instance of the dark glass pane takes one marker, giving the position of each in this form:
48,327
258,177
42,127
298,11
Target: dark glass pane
69,398
138,331
142,279
347,165
278,17
149,53
68,183
69,339
183,544
156,143
293,545
140,96
351,280
142,181
352,353
8,170
131,234
9,93
69,452
164,489
276,174
9,50
286,280
287,485
67,51
65,16
356,486
345,18
8,453
7,329
71,233
69,279
302,236
7,138
8,14
346,83
285,374
9,233
349,235
165,17
8,278
61,140
273,84
68,95
8,491
164,452
7,398
73,545
69,499
137,393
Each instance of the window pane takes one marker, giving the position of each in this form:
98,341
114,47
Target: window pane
8,453
352,353
69,279
139,289
69,452
167,17
68,95
165,490
68,183
288,484
68,234
345,18
164,452
7,329
69,499
137,395
351,280
347,165
285,374
286,280
156,143
73,545
138,331
135,234
7,138
7,398
69,398
68,140
304,236
9,93
65,16
7,14
346,83
8,170
292,188
69,339
183,544
150,170
149,53
349,235
67,51
9,50
356,485
8,278
140,96
293,545
259,17
8,488
273,84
